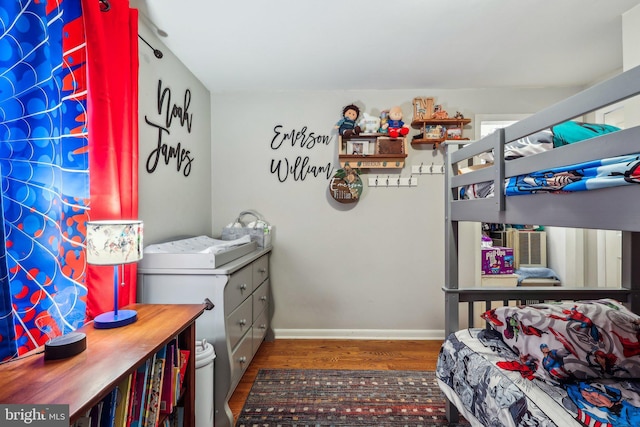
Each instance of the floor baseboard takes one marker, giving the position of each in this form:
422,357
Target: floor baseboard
360,334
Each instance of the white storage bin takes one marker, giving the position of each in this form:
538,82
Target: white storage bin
205,356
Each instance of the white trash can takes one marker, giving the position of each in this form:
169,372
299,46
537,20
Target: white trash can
205,356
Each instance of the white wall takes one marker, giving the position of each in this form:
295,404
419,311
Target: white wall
568,255
373,269
631,58
174,189
630,37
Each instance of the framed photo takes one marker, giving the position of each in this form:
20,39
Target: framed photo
435,132
358,148
454,133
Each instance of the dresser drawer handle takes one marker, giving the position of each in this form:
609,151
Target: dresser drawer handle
263,298
262,270
242,360
263,326
242,322
243,287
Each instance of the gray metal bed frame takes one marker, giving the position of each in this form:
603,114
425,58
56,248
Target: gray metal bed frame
608,209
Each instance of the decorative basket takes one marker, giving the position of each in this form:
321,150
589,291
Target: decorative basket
259,229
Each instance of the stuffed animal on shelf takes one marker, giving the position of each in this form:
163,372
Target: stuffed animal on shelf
369,123
439,113
347,125
384,121
395,125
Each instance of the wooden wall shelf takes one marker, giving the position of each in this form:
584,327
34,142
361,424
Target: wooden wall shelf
418,124
367,151
446,123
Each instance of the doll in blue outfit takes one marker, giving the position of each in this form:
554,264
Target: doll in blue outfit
347,125
395,125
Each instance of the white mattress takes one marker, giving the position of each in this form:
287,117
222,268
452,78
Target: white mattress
195,245
194,253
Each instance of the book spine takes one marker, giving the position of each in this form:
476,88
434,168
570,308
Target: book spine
152,411
168,381
144,375
132,398
184,360
122,402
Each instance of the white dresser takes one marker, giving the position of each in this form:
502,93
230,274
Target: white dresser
236,326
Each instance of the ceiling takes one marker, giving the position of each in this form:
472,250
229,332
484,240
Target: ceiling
253,45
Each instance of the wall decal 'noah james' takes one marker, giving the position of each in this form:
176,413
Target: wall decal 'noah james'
167,112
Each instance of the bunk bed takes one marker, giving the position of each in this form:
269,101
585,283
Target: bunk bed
476,365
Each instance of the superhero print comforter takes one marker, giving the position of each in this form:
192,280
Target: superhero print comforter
492,386
608,172
596,174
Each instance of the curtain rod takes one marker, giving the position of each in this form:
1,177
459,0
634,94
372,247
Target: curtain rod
156,52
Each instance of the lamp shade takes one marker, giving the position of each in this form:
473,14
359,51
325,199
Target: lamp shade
114,242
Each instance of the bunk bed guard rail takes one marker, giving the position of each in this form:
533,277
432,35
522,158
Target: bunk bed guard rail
494,209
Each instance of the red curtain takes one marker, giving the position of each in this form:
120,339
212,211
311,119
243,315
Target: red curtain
112,57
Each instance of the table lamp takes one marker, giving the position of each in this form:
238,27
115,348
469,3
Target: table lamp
114,242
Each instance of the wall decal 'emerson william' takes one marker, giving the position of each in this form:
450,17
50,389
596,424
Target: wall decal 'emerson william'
300,167
163,150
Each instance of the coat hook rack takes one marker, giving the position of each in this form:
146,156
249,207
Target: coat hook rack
156,52
432,169
388,182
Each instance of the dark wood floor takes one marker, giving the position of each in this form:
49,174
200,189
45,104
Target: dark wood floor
336,354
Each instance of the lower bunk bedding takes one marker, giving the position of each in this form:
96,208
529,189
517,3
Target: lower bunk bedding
556,364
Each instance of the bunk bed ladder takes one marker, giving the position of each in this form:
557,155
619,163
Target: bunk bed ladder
498,170
451,277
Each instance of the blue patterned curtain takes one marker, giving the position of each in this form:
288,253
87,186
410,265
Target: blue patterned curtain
43,172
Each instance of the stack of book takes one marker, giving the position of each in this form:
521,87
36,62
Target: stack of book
146,398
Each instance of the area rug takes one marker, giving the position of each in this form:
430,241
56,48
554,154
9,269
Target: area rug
291,397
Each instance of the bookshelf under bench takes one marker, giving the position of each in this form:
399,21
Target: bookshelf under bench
111,356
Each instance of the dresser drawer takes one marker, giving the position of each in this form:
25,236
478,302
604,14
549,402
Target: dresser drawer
238,289
239,322
259,329
240,359
260,270
260,299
